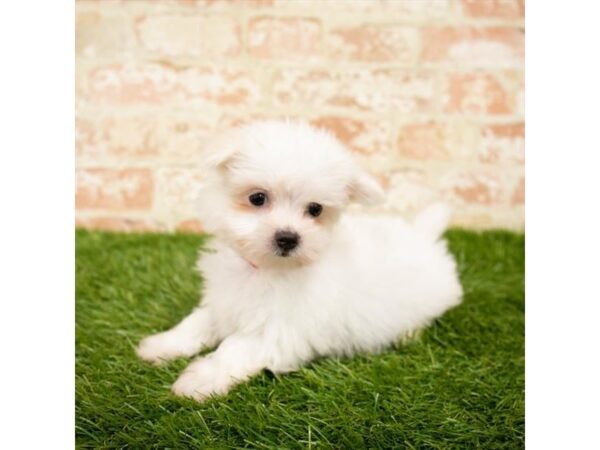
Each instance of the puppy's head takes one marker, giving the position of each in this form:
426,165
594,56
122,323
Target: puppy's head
275,190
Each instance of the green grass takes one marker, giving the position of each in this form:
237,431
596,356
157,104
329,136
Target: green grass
460,385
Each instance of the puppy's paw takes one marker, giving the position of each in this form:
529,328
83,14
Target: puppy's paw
160,348
201,379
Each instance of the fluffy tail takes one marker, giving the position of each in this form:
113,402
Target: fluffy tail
433,220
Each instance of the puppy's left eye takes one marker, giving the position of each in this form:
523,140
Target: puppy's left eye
314,209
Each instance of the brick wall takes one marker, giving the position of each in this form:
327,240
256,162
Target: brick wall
428,93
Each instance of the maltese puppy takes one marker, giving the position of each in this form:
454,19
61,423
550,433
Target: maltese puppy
290,277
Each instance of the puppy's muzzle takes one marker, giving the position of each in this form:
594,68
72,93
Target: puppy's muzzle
286,241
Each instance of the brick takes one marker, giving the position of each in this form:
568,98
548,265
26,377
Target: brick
421,9
191,36
477,220
99,35
436,140
382,90
130,84
409,190
383,43
518,196
254,3
381,9
118,137
229,4
154,7
358,135
188,3
502,143
477,187
494,9
114,189
514,81
422,141
135,8
182,137
190,226
221,86
482,47
176,137
288,38
177,193
118,224
477,93
233,120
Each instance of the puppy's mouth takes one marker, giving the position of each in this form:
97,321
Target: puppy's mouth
293,258
284,252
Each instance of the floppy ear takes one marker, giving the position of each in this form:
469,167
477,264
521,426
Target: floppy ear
365,190
221,149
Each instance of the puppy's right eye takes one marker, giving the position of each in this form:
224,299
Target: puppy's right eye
258,198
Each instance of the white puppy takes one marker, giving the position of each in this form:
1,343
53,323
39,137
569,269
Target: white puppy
289,277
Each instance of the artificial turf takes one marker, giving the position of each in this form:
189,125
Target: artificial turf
459,385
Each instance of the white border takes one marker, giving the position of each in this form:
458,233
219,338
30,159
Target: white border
36,231
562,224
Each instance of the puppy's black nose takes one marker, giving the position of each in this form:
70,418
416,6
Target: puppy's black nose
287,240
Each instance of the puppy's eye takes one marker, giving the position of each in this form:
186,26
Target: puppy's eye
314,209
258,198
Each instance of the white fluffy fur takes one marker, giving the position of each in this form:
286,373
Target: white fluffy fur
354,282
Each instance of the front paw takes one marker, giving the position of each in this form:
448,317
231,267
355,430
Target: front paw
159,348
202,379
